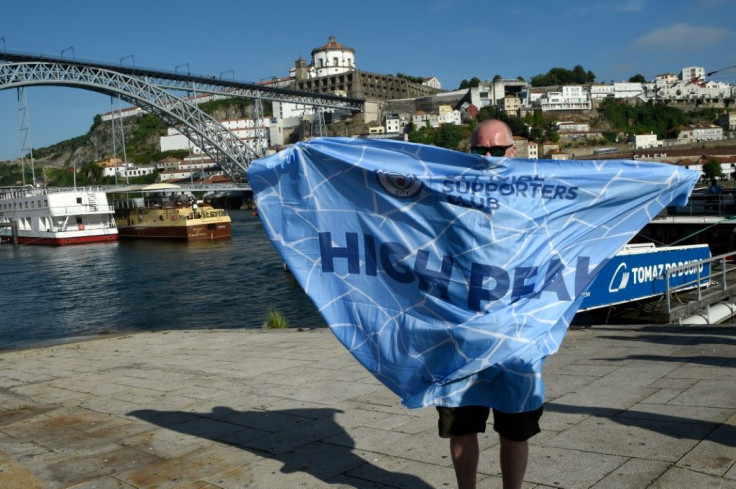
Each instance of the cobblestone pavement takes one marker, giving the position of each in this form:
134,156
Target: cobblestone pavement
628,407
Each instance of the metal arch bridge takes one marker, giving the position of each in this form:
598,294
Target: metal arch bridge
153,91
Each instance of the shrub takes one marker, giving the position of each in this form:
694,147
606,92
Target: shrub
275,320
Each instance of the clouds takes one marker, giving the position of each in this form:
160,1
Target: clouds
683,37
619,6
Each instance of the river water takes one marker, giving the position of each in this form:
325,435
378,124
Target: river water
53,294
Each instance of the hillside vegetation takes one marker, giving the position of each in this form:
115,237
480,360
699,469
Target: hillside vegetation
142,136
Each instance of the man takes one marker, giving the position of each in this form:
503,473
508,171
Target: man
462,425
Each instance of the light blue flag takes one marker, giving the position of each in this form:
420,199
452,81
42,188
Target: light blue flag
451,276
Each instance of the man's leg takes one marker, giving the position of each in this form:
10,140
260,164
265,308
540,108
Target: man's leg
514,430
514,456
464,453
462,425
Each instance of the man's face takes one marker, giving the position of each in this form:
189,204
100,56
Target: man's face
493,140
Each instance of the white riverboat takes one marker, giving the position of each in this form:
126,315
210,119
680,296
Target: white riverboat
56,216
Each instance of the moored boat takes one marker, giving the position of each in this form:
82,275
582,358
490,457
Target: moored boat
156,215
706,219
56,216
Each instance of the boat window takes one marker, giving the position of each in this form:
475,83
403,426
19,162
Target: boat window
79,200
79,219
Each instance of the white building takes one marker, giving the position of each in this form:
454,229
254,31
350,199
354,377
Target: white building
598,92
432,82
511,104
421,118
569,126
526,148
393,124
643,141
628,90
192,168
727,121
571,97
127,170
701,132
692,73
244,129
446,115
494,93
665,79
694,90
707,132
332,59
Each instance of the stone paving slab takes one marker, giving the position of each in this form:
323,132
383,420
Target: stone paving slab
627,407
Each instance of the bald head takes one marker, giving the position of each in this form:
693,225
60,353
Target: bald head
492,132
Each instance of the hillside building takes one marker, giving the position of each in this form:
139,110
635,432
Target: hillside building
570,97
245,129
644,141
727,121
696,133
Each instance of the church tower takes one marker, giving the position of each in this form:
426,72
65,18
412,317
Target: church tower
333,58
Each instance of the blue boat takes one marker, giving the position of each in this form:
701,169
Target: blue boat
639,270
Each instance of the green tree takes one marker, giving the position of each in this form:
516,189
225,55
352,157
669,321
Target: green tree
657,118
712,168
579,74
425,135
563,76
638,78
496,77
449,136
536,134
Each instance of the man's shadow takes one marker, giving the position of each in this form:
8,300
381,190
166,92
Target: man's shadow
295,437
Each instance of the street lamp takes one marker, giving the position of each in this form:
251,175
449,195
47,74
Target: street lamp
68,49
228,71
126,57
3,39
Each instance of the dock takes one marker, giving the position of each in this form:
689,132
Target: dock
712,303
627,407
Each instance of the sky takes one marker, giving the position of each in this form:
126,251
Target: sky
452,40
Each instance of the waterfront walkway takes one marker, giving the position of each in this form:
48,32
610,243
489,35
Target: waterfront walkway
638,407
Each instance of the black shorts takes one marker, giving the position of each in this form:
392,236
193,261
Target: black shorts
472,419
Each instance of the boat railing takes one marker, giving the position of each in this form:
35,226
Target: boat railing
713,280
723,204
148,203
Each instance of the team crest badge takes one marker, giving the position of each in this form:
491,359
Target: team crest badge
399,184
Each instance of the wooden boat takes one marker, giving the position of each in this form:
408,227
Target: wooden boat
159,213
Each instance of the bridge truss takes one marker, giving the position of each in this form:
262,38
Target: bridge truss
154,92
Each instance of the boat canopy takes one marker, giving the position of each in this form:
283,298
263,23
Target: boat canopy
154,187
